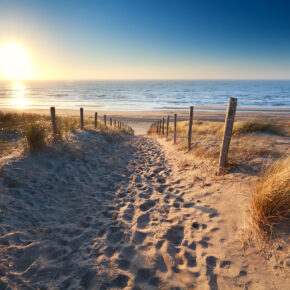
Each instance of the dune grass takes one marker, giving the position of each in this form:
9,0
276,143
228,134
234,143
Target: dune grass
271,201
259,126
34,131
245,143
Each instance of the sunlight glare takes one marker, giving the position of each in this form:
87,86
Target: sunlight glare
14,62
19,101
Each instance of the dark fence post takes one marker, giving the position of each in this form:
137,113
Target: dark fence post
82,118
105,120
163,126
96,120
167,127
175,121
229,123
111,122
53,121
190,127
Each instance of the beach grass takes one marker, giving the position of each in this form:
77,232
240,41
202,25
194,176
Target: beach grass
271,202
246,143
34,131
260,126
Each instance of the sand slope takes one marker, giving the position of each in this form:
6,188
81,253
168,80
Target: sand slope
101,213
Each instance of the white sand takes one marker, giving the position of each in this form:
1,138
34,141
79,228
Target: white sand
101,213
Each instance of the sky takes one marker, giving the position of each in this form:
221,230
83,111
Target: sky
150,39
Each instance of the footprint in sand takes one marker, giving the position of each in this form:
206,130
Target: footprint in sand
175,235
121,281
139,238
143,220
147,205
210,265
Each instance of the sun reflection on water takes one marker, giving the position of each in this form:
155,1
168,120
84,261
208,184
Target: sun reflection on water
19,99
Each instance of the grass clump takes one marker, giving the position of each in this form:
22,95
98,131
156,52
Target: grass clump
35,135
258,126
271,201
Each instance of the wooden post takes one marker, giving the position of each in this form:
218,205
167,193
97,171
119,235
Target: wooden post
190,127
114,123
96,120
111,122
105,120
167,127
163,126
175,120
157,127
82,118
53,121
229,123
160,127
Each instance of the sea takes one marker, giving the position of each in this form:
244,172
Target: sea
144,95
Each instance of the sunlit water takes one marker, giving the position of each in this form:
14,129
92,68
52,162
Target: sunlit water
142,95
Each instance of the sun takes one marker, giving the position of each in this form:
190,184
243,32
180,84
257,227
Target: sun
14,62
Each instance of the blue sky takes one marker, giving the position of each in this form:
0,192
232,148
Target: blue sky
105,39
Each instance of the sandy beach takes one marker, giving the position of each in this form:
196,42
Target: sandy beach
112,212
144,145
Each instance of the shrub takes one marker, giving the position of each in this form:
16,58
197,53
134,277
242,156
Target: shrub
271,201
35,135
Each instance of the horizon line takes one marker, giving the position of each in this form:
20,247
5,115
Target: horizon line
146,79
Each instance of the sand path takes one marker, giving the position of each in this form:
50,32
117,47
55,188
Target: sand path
99,214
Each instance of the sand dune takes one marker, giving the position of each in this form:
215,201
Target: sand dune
104,211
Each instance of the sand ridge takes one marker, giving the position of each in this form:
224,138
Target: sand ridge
105,212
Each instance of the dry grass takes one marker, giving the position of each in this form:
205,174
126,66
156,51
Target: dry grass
245,145
259,126
35,131
35,135
271,201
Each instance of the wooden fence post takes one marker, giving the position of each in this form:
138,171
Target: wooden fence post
160,127
53,121
167,127
82,118
157,127
111,122
105,120
175,121
190,127
163,126
96,120
114,123
229,122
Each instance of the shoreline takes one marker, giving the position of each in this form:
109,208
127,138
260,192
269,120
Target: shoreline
140,121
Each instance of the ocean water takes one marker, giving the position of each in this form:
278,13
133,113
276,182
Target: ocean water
142,95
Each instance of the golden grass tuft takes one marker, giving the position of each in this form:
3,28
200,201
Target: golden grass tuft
245,143
34,130
271,201
258,126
